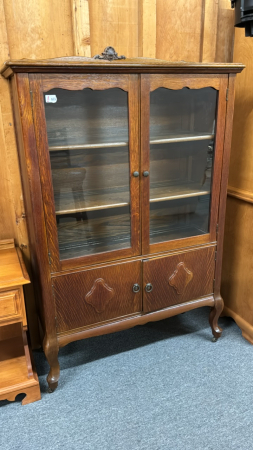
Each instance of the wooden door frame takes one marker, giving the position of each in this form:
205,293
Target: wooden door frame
39,84
170,81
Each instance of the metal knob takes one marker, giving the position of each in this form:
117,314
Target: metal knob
136,288
136,174
145,173
148,287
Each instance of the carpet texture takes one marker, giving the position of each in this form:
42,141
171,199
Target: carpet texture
162,386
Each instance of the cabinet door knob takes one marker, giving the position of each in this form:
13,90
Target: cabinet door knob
148,287
145,173
136,174
136,288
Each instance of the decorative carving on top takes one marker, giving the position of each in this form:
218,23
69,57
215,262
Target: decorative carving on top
180,278
109,54
99,295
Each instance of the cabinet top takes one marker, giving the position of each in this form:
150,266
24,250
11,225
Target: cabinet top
78,64
12,268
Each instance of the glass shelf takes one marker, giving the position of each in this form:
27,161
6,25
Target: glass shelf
179,218
181,169
94,232
88,146
162,140
182,138
164,191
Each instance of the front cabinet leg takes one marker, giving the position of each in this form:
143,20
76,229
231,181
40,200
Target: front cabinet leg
51,350
214,316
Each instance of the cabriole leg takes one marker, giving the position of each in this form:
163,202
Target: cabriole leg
214,316
51,350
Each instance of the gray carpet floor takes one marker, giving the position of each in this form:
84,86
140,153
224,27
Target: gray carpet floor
162,386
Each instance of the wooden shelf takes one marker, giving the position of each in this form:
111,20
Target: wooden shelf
160,192
162,138
95,235
88,146
76,201
14,378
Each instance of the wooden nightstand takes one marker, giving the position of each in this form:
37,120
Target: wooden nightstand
17,374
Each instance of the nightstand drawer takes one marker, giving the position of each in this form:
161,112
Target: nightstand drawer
10,305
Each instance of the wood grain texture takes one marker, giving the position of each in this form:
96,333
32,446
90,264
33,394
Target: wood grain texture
246,196
11,272
127,322
78,82
114,23
81,27
33,200
241,165
237,268
209,31
44,29
15,361
14,375
179,30
178,279
147,28
224,182
71,291
225,32
236,284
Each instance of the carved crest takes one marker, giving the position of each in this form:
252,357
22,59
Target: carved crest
109,54
99,295
180,278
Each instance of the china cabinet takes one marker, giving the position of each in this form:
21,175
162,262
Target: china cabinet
124,165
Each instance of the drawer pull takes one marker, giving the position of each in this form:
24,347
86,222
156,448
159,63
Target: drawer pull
145,173
148,287
136,174
136,288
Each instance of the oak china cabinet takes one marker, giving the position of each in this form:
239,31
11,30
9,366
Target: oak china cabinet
124,167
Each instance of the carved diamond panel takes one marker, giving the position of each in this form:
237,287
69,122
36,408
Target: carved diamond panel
180,278
100,295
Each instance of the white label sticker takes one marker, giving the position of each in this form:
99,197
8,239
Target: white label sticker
50,98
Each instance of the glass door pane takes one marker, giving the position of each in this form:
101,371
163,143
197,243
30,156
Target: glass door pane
89,155
182,132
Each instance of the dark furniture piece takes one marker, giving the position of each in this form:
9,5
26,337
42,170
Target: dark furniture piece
124,166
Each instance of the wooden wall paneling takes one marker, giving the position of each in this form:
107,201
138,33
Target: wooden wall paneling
7,216
238,265
238,243
39,29
81,27
225,32
209,32
147,28
241,164
115,23
179,30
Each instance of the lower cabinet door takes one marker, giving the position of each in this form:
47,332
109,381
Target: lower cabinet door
97,295
178,278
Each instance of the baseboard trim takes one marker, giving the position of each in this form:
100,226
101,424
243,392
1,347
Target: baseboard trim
240,194
246,327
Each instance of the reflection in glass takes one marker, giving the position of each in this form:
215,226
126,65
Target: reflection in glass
182,128
88,145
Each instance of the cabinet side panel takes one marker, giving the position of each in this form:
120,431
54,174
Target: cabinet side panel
224,182
33,200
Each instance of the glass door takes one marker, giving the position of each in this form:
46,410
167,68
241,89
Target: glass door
182,151
91,148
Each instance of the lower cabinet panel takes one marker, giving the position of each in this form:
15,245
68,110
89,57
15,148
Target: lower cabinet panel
178,278
96,295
